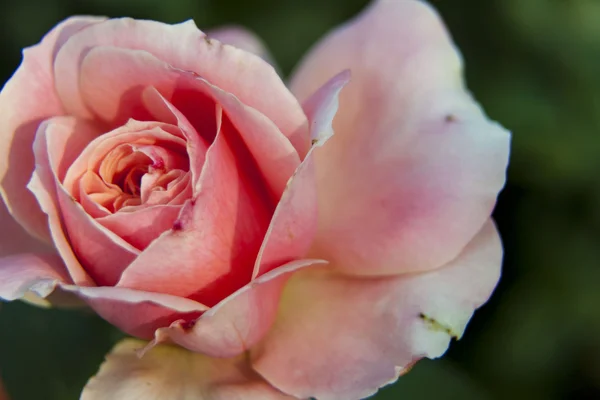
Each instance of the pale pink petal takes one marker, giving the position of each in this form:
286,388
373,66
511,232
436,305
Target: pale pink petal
27,99
110,78
104,255
241,38
322,106
14,239
294,222
338,337
37,273
238,322
213,245
183,46
172,373
415,167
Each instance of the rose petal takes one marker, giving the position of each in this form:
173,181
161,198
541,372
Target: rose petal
238,322
274,155
135,297
176,193
168,372
43,186
134,133
213,245
240,37
23,273
106,86
163,110
322,106
112,81
136,225
415,167
140,228
137,313
27,99
104,255
294,222
14,239
373,328
236,71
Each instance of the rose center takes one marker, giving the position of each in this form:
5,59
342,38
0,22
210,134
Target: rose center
135,173
130,180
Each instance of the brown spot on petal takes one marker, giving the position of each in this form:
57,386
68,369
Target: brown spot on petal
434,325
451,118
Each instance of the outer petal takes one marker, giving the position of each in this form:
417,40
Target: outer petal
13,239
30,273
241,38
415,167
339,337
27,99
137,313
171,373
33,279
238,322
185,47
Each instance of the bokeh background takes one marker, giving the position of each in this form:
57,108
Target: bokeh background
535,66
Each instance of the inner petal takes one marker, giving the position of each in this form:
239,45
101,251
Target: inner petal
122,169
160,183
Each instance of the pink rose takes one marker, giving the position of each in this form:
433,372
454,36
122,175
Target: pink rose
181,186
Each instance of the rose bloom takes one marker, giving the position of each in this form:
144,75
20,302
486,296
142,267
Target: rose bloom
186,194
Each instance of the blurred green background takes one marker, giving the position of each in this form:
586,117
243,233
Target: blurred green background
535,66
